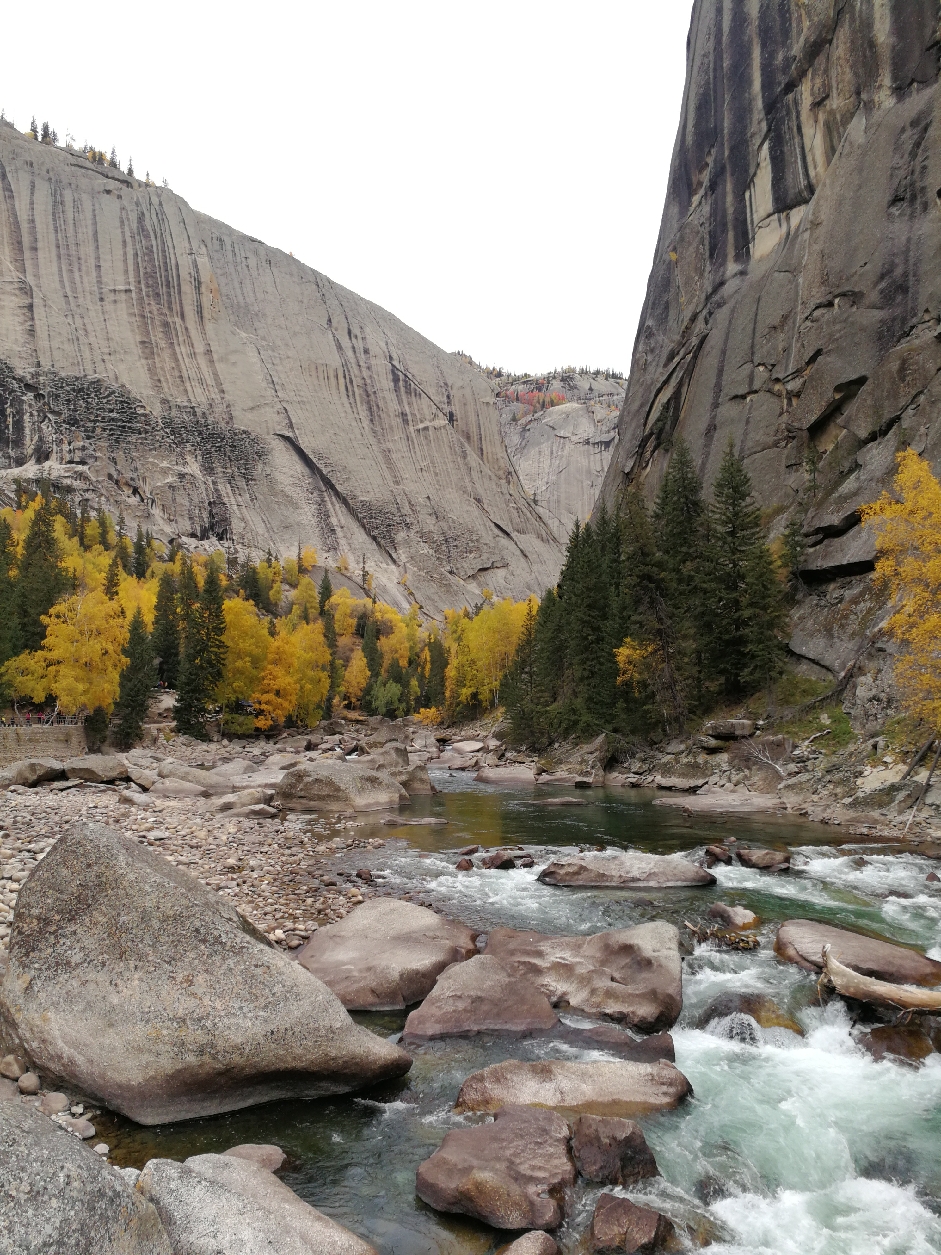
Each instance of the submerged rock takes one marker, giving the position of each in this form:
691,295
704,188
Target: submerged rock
801,941
612,1151
620,1225
136,984
763,1010
604,1088
616,870
480,996
627,974
913,1042
386,954
339,786
57,1195
212,1204
511,1174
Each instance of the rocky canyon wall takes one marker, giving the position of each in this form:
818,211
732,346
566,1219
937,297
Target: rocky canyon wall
794,304
160,362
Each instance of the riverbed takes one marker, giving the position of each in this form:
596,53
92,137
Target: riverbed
792,1145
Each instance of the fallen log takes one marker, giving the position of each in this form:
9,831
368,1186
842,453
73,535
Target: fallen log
865,989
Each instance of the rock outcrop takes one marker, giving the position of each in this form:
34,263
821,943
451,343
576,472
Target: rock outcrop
161,363
131,981
794,304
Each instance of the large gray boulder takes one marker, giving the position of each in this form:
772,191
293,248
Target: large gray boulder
224,1205
629,974
32,771
96,768
801,941
603,1088
512,1173
57,1195
480,996
622,870
386,954
130,980
170,769
339,786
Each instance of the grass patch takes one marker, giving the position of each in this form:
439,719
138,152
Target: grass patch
833,719
795,690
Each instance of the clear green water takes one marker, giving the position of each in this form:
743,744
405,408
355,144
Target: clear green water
791,1146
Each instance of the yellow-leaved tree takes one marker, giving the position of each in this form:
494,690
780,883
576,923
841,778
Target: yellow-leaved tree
81,658
356,677
908,545
275,696
311,672
247,643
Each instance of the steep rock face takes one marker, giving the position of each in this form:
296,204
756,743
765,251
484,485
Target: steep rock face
794,303
214,388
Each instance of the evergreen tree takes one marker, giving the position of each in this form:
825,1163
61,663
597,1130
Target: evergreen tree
34,128
82,523
203,659
166,634
744,603
9,641
41,580
437,665
251,585
123,546
325,592
104,528
113,576
140,562
187,596
137,681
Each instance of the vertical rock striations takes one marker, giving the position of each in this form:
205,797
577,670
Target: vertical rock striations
794,303
214,388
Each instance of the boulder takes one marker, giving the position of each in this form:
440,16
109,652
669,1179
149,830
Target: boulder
620,1225
246,797
729,729
457,762
386,954
466,747
628,974
339,786
57,1195
801,941
612,1151
170,769
141,776
506,775
387,757
616,870
177,788
763,1010
136,984
764,860
738,918
511,1173
480,996
911,1042
680,784
271,1158
211,1204
615,1041
533,1243
499,860
603,1088
96,768
32,771
414,780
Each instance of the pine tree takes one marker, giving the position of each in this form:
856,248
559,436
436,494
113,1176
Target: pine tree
34,128
41,580
137,681
325,592
166,634
743,597
113,576
187,597
437,665
203,660
123,546
9,644
251,585
104,528
130,167
140,563
82,523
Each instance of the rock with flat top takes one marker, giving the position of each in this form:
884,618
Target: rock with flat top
58,1196
801,941
612,1151
223,1205
617,870
328,785
466,747
137,985
246,797
511,1173
738,918
764,860
618,1225
386,954
602,1088
480,996
506,775
263,1155
627,974
96,768
177,788
32,771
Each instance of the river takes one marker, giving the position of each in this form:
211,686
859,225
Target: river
791,1146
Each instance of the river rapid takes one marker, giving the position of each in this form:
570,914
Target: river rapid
792,1145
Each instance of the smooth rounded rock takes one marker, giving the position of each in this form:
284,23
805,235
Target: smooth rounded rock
271,1158
339,786
28,1083
12,1067
801,941
738,918
623,870
606,1088
96,768
51,1104
534,1243
480,996
612,1151
618,1225
763,860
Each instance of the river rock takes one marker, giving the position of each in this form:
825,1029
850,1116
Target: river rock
271,1158
31,771
387,757
499,860
386,954
136,984
612,1151
177,788
620,1225
58,1196
511,1174
603,1088
246,797
170,769
28,1084
738,918
801,941
764,860
52,1104
615,1041
96,768
13,1067
534,1243
506,775
912,1042
339,786
628,974
480,996
466,747
763,1010
616,870
222,1205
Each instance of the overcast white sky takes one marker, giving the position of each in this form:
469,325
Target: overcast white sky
491,173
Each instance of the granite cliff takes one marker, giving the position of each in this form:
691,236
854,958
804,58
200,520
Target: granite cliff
794,303
158,362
